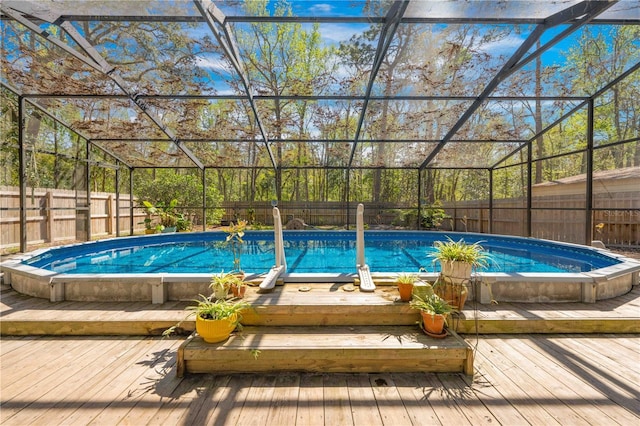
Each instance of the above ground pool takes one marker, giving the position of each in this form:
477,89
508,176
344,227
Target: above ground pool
177,264
332,252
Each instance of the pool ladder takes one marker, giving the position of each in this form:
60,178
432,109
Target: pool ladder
269,282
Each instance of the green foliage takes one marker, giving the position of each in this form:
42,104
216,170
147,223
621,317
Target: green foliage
291,59
164,186
432,304
450,251
219,309
406,278
235,232
167,216
182,223
433,215
223,281
205,308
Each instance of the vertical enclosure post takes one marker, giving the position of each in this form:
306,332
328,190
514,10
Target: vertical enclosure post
87,179
204,199
131,201
529,189
22,176
347,194
117,199
419,199
490,229
588,213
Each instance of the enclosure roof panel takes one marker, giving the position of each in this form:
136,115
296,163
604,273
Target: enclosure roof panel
321,84
432,10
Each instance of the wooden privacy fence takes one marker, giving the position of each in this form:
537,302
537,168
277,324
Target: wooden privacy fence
616,221
55,215
52,216
319,214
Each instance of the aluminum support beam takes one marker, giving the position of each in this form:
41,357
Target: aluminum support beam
108,70
584,12
384,41
22,175
214,16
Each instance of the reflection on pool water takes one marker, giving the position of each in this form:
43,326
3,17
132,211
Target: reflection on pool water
310,252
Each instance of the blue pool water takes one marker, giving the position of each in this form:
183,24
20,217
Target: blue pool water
309,252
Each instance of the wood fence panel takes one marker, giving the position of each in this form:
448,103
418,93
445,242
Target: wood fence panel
52,215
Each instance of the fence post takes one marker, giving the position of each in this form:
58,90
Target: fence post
110,214
48,208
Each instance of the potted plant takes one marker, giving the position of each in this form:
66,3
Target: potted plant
405,283
150,210
422,289
168,217
235,232
182,223
433,310
238,288
221,284
215,320
457,259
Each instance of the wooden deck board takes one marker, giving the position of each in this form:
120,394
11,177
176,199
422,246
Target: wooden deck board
544,379
552,384
310,407
335,400
361,395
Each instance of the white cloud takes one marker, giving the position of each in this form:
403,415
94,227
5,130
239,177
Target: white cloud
212,63
340,32
321,8
507,45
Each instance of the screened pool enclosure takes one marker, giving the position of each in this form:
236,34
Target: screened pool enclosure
515,117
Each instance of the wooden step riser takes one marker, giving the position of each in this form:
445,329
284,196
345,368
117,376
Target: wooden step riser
327,349
330,315
155,328
443,365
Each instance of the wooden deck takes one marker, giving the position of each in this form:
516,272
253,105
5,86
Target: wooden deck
126,378
23,315
520,380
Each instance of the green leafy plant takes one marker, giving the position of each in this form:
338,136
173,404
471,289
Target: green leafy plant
150,210
182,224
235,232
406,278
166,213
221,283
452,251
432,304
168,217
161,185
433,215
205,308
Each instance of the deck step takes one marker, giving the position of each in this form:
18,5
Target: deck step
335,349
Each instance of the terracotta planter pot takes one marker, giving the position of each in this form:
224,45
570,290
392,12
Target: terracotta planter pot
405,291
238,292
215,331
455,294
433,323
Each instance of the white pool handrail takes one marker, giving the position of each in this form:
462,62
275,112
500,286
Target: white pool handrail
280,267
366,282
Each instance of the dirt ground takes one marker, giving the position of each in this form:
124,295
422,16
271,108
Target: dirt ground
632,253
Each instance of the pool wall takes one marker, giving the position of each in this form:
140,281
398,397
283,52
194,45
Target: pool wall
589,287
